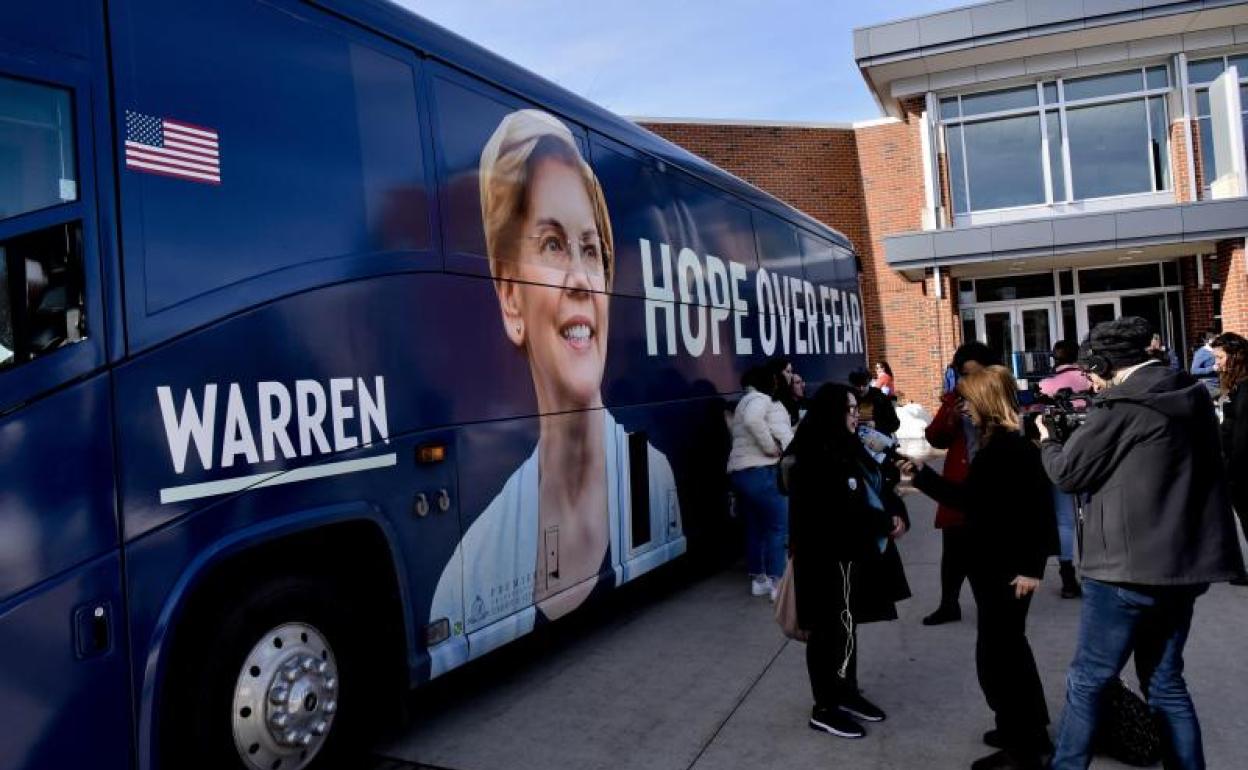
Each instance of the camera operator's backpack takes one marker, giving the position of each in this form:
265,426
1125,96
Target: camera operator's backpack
1127,729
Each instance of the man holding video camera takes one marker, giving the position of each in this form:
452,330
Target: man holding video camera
1155,532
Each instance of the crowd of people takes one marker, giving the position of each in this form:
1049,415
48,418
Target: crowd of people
1148,482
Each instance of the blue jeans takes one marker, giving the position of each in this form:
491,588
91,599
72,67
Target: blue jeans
1153,622
766,519
1064,507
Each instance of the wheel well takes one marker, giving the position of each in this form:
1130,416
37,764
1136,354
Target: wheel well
353,554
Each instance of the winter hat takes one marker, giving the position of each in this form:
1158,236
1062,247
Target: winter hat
1116,345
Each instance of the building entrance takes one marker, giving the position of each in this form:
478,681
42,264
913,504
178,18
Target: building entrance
1021,317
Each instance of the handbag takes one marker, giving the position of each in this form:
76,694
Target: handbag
1127,729
786,605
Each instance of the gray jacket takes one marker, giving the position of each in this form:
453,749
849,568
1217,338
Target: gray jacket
1149,457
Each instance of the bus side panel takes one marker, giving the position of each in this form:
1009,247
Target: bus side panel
64,693
56,25
57,507
320,153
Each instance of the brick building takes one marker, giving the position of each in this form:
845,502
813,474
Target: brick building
1042,165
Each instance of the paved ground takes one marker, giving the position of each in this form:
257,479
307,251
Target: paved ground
686,673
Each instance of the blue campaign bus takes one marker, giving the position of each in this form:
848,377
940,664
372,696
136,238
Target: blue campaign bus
305,388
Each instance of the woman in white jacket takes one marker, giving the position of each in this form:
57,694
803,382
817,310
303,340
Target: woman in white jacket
760,432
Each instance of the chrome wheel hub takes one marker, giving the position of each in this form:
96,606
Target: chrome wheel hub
285,698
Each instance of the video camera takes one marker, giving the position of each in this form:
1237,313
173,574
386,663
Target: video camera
1063,413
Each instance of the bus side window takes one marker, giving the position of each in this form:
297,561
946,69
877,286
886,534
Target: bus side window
36,147
42,307
41,271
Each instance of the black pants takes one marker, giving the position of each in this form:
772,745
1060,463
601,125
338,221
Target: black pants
954,557
1003,660
825,654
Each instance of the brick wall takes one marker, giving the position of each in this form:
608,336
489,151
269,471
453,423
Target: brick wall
1221,303
866,183
814,170
1233,277
1178,162
1197,159
1198,300
913,331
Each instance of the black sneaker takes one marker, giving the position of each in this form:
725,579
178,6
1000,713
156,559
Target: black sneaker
1239,581
836,722
858,706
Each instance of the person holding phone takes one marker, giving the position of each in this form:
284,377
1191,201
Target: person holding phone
845,515
1011,533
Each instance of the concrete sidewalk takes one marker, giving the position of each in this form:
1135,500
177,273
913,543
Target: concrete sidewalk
696,676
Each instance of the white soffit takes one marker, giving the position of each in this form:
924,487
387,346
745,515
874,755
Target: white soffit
1136,39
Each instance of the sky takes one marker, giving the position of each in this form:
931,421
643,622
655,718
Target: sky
784,60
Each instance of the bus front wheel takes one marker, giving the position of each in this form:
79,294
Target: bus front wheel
267,679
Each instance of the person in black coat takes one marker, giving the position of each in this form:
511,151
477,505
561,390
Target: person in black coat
1157,529
873,405
1012,531
1230,352
844,514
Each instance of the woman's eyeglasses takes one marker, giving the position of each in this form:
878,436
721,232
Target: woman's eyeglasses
555,250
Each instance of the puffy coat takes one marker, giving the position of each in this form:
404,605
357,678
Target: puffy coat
760,431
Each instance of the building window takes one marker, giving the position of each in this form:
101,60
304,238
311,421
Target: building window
1104,279
1060,140
1200,74
1033,286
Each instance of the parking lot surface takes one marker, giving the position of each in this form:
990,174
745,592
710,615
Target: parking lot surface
691,673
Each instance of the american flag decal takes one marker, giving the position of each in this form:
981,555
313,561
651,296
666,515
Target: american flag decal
172,148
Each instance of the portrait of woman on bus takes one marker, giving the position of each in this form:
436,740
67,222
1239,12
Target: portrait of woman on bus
550,537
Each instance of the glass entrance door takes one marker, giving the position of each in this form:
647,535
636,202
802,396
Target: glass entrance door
1021,335
996,330
1038,327
1095,311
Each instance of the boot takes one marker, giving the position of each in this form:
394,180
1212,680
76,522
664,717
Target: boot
1070,583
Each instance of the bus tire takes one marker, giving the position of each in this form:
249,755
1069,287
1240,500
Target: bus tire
273,677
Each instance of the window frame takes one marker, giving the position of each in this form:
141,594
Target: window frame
24,382
1041,110
1195,89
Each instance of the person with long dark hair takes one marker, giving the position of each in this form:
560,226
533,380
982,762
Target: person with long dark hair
844,516
884,379
1012,531
1230,352
788,381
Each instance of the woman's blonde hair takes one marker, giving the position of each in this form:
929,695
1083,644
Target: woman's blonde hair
521,139
994,394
